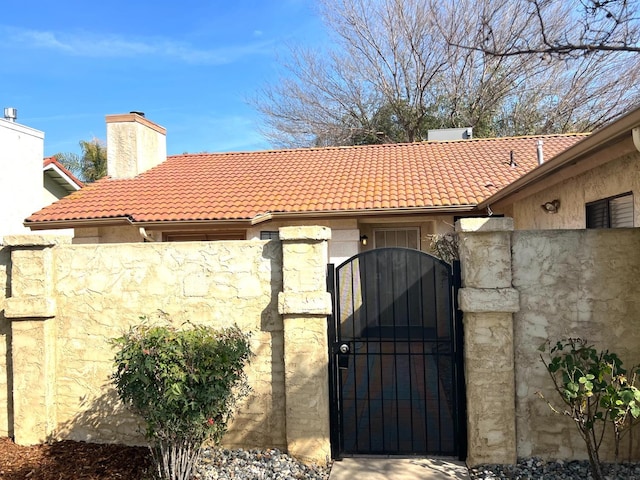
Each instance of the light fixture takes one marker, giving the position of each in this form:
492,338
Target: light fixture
551,207
363,240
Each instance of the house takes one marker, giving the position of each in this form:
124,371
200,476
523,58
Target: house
595,183
57,180
381,195
28,183
21,152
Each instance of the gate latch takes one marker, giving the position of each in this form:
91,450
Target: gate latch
343,350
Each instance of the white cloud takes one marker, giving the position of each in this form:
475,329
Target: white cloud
86,44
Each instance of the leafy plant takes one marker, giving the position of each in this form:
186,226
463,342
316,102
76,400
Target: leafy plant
184,384
596,391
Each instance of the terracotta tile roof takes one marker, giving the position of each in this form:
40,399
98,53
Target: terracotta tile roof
236,186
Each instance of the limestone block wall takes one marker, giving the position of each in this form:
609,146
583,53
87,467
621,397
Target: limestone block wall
64,303
581,283
519,290
488,302
61,347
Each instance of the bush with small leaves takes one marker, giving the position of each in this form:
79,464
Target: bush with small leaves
596,390
184,383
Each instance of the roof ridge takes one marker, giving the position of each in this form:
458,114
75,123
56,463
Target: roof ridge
378,145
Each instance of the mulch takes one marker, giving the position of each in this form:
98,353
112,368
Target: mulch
73,460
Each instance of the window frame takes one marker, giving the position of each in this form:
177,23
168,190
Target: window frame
397,229
607,205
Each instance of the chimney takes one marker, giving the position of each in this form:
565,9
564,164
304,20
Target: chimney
134,144
11,114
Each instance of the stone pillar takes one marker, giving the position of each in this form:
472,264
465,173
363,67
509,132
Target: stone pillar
304,304
488,302
31,308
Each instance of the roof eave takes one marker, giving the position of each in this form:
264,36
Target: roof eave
247,222
77,223
453,209
600,139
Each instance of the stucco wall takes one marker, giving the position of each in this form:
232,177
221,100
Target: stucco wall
618,176
21,154
571,284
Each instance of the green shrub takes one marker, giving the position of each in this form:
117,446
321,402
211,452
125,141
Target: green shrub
184,384
595,390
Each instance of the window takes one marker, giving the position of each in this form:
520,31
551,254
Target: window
396,237
267,235
612,212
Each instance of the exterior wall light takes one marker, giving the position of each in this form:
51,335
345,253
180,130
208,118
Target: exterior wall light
551,207
363,240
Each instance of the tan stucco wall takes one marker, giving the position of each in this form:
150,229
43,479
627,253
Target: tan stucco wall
618,176
572,284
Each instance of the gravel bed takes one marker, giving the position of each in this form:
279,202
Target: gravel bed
272,464
534,469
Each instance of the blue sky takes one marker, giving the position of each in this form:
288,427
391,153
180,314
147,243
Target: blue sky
190,65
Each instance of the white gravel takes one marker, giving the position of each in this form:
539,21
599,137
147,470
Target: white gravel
271,464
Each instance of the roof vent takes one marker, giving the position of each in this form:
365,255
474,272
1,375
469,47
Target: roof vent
11,114
539,151
137,113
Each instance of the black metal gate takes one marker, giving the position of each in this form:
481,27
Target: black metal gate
396,356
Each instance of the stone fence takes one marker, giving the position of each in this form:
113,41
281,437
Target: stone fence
521,289
63,304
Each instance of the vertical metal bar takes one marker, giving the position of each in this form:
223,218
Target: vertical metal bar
425,357
334,400
380,351
394,296
407,286
435,296
352,365
460,393
364,293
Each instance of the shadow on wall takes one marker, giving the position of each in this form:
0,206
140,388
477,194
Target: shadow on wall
106,415
6,366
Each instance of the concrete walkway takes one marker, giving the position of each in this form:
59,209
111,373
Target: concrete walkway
393,468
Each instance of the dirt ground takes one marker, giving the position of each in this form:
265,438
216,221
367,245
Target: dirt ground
72,460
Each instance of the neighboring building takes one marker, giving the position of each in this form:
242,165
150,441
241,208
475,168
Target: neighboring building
58,181
386,195
593,184
27,183
21,152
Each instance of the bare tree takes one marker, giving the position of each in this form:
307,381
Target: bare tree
570,28
396,68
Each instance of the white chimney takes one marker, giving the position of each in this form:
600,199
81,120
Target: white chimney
134,144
